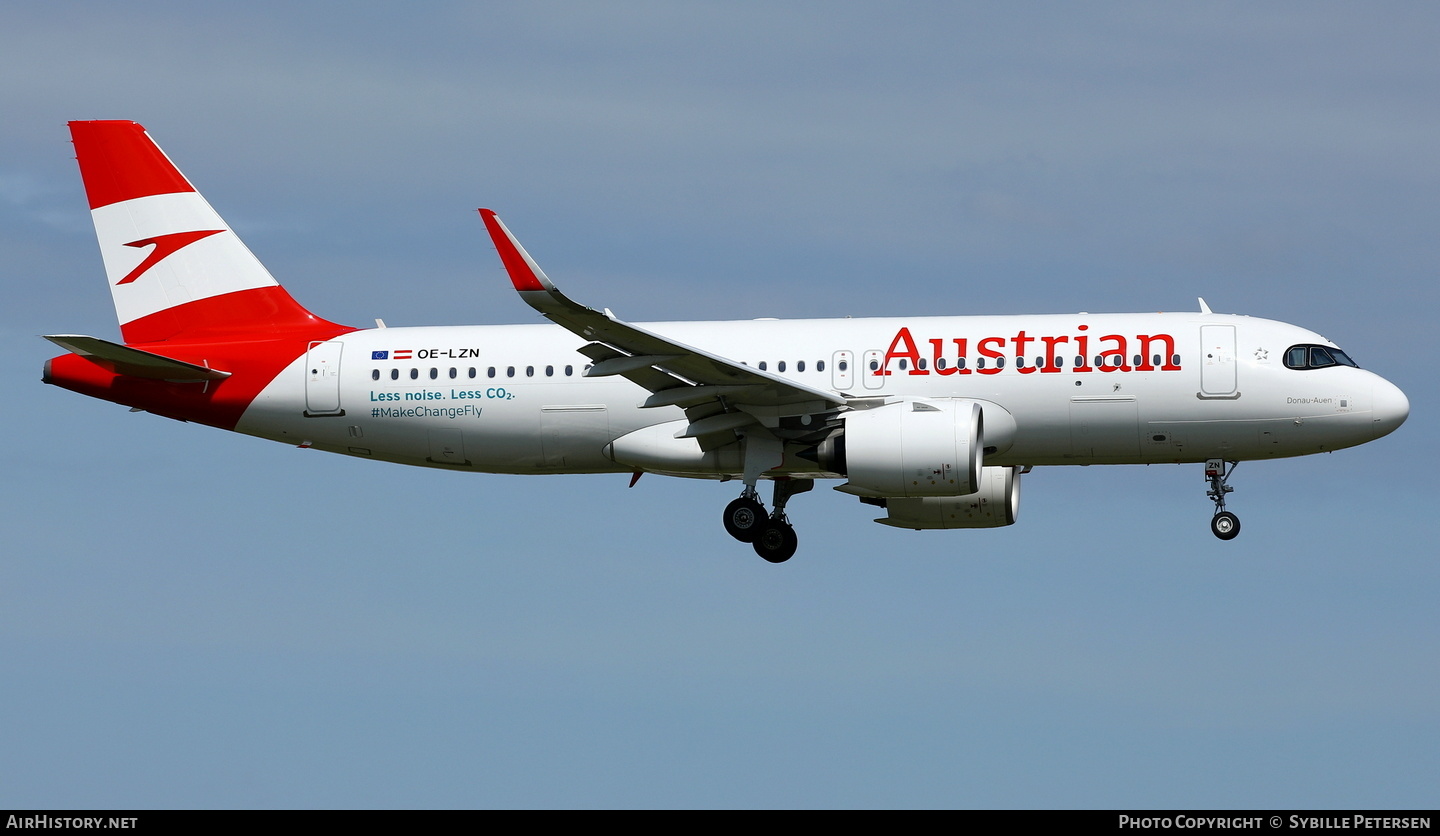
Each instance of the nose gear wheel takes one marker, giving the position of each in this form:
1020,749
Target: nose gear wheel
1225,525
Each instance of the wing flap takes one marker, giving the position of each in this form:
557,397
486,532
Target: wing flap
625,363
646,377
717,424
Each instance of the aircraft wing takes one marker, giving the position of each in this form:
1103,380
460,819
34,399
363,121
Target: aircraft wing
719,395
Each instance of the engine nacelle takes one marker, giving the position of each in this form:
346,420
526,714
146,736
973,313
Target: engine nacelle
995,504
910,449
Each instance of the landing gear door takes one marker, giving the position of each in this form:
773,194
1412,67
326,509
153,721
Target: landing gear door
322,379
1217,362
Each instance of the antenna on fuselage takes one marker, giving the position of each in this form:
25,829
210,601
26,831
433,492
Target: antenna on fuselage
1204,308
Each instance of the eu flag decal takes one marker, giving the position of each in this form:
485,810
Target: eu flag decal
379,355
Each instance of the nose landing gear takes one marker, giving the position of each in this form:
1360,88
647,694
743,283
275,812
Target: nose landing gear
1224,524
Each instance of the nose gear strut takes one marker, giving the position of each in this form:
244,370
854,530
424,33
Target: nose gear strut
1224,524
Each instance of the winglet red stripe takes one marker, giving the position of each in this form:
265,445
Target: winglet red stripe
522,275
119,161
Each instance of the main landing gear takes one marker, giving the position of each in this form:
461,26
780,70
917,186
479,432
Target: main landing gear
772,536
744,516
1224,524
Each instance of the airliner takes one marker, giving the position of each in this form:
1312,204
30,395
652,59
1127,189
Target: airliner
932,420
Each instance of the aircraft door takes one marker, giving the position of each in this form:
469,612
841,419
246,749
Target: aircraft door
842,370
870,369
1217,362
322,379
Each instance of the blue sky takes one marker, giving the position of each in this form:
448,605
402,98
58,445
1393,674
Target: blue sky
194,619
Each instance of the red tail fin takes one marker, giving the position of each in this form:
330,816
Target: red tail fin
176,269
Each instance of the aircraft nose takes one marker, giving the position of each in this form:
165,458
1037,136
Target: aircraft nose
1388,407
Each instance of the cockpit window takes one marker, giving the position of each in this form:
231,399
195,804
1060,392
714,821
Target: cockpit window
1342,358
1316,357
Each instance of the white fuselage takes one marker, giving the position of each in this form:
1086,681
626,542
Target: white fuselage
1059,389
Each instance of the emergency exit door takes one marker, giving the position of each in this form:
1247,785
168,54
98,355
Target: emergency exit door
322,379
1217,362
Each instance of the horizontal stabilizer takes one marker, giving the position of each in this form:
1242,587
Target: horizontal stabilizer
133,362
